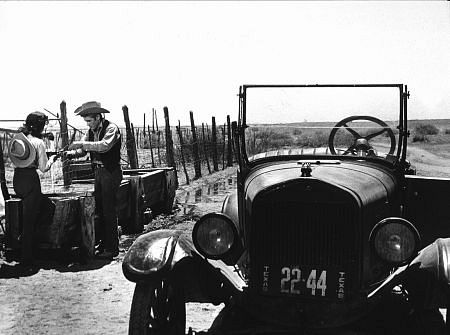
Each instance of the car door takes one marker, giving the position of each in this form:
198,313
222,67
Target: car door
427,206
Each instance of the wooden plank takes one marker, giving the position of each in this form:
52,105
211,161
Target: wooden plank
171,187
60,231
135,222
13,220
80,171
153,187
87,225
122,203
160,191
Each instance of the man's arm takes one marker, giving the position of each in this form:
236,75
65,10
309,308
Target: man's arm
112,135
76,151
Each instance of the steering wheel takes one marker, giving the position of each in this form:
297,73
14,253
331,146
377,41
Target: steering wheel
361,145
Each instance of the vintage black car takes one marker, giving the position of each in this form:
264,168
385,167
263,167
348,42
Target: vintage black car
330,230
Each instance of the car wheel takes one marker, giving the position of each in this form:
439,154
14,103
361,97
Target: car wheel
157,309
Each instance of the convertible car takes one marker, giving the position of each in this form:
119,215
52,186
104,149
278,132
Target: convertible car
329,231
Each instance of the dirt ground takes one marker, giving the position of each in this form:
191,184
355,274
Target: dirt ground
429,164
61,297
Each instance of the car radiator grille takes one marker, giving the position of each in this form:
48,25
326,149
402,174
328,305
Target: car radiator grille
309,236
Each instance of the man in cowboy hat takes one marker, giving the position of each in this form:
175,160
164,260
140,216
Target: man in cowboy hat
27,152
103,142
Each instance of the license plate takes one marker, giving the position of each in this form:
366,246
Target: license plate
305,281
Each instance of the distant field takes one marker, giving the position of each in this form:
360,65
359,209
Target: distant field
428,143
438,144
432,155
442,124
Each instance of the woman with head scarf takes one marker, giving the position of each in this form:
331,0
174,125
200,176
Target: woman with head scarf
27,152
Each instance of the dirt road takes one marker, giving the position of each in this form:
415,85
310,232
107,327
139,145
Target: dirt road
427,163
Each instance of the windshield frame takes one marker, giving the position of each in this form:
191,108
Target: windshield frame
393,160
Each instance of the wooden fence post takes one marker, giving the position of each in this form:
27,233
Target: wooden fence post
143,129
156,120
72,138
158,133
230,144
205,148
183,162
159,146
4,188
153,120
151,146
214,144
130,142
195,151
170,157
223,147
137,137
64,142
134,134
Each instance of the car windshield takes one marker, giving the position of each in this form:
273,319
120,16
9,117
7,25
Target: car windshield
316,120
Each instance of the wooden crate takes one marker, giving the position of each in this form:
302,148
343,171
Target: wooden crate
72,224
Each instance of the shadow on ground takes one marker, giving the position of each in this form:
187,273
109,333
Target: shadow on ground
61,261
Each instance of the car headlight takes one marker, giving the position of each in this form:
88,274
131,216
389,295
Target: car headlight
215,235
395,240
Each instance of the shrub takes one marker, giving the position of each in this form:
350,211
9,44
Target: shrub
343,139
315,140
426,129
447,131
419,138
265,139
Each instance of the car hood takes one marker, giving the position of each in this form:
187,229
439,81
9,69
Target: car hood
367,182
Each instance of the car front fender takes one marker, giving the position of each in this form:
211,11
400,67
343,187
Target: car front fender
155,253
426,278
435,259
230,208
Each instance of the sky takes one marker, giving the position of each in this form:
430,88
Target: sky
193,56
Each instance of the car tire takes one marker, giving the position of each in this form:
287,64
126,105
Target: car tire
157,308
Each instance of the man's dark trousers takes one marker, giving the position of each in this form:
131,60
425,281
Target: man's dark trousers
107,182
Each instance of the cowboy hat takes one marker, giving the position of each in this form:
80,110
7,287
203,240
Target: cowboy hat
90,107
20,150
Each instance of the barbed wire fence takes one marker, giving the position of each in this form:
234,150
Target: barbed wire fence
193,151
